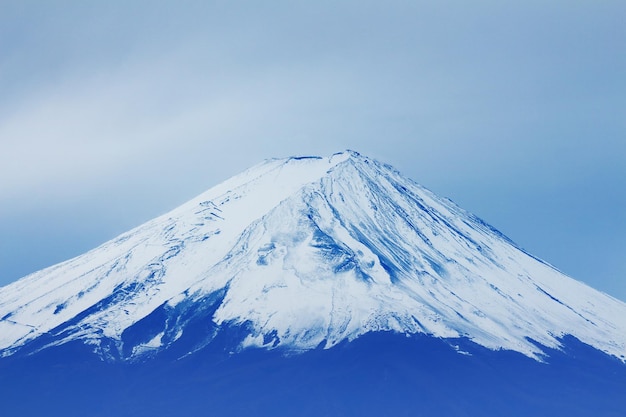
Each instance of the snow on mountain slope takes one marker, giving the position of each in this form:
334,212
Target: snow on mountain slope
132,274
304,252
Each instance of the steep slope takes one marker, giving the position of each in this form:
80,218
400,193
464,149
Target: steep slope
302,253
124,279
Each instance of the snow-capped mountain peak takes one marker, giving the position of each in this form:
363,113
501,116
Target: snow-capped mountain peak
301,253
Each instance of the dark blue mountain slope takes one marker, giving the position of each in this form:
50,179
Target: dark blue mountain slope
379,374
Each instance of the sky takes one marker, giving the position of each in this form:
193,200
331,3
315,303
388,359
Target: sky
112,113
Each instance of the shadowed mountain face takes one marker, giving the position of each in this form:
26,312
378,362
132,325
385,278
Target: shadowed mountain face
378,374
306,286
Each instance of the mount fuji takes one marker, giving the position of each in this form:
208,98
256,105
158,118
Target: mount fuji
311,286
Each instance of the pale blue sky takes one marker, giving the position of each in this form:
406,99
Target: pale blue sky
111,114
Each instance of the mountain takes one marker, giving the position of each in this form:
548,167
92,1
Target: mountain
307,270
